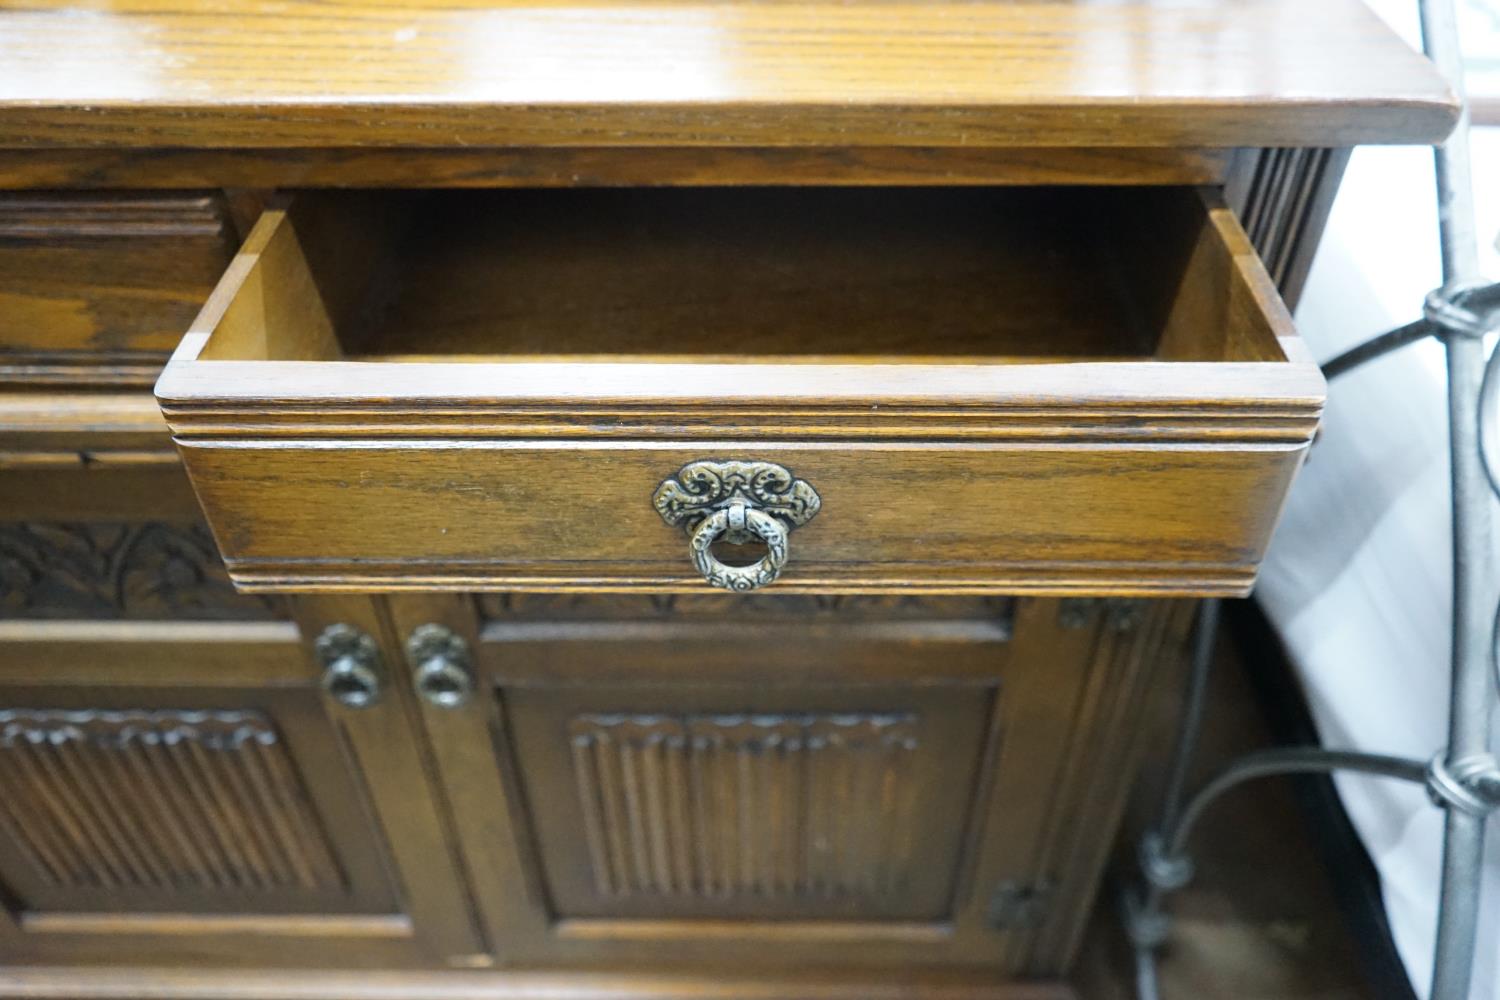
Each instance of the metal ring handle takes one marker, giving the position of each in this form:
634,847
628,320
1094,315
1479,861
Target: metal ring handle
352,682
736,500
351,665
440,666
443,683
738,519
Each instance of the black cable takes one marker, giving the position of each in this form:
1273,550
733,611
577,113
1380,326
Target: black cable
1377,347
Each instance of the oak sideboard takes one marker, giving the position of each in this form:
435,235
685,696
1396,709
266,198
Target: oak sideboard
678,499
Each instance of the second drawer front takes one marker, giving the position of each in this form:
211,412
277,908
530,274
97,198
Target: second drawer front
97,287
1182,518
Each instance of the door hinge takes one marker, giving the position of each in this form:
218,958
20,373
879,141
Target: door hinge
1018,904
1119,614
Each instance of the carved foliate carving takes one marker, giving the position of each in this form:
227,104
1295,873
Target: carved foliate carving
140,571
740,607
165,801
771,806
227,730
700,488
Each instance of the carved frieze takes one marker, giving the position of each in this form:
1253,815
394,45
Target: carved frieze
741,607
131,571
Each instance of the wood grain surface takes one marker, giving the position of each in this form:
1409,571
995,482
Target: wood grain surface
946,517
206,803
93,457
167,983
458,456
1047,704
593,166
96,288
1077,393
452,73
795,276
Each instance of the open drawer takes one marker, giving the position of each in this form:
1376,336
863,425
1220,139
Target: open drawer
1046,390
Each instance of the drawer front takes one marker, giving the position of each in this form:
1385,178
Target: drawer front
96,289
987,391
941,516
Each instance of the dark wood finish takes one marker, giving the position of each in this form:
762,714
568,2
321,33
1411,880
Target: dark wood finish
997,612
1284,197
1129,660
184,790
92,427
1063,373
1018,519
737,804
84,488
606,167
95,289
177,787
1138,73
882,276
629,778
157,806
146,571
96,457
914,362
763,984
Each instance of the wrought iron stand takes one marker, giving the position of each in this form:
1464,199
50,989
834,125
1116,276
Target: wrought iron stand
1463,779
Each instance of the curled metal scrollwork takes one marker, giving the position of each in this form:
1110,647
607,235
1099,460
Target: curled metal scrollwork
737,502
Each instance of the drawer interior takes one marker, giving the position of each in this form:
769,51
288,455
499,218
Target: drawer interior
970,276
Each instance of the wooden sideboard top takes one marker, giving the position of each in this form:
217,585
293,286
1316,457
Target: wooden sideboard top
299,74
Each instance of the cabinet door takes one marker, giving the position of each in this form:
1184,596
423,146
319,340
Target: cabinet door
177,785
666,783
746,802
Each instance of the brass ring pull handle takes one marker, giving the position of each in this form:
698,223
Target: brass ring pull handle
440,665
737,502
720,524
351,665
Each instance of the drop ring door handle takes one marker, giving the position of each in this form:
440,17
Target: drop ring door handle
442,672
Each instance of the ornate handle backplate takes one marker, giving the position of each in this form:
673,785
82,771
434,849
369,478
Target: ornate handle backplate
736,502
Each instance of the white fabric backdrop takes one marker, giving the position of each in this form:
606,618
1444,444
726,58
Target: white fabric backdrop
1358,580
